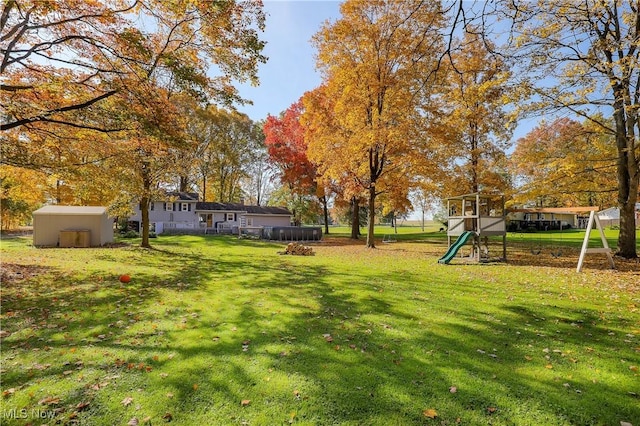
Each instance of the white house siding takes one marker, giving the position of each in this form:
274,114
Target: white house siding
201,216
159,214
169,219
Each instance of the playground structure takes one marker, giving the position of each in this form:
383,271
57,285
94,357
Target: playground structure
474,218
593,220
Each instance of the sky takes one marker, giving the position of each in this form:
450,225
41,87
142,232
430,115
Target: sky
290,70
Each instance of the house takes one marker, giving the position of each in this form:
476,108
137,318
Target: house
72,226
229,217
184,213
530,219
542,219
611,216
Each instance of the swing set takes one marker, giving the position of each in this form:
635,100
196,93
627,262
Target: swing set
556,252
535,247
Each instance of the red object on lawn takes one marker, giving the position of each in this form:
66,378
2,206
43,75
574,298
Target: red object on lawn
125,278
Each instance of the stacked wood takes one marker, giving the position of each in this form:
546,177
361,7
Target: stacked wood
298,249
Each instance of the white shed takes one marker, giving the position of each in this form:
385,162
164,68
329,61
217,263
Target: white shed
72,226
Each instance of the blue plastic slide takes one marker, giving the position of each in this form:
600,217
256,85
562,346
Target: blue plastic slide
462,240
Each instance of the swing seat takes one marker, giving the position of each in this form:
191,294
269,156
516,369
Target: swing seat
387,239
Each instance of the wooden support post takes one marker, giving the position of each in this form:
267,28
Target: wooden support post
593,218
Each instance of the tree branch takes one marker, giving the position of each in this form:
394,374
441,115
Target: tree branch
45,116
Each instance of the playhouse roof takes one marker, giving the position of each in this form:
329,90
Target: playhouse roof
475,194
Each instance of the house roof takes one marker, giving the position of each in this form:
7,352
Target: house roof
71,210
184,196
238,207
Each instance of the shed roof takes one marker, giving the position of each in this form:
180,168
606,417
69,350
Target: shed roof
71,210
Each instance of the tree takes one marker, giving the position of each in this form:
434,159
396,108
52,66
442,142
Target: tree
423,196
473,120
89,65
258,184
377,62
227,144
287,148
565,163
64,56
21,192
320,124
589,55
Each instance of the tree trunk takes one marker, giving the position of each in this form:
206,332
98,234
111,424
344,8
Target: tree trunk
58,194
475,160
204,188
325,211
372,215
628,176
184,183
355,219
395,223
627,243
144,208
144,205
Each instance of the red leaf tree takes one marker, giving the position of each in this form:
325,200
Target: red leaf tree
287,148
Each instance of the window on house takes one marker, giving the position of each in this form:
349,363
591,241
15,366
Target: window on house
249,221
184,207
169,207
229,217
151,205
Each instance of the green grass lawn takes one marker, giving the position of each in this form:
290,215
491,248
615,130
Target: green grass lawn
217,330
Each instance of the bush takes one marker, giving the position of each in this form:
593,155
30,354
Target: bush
129,234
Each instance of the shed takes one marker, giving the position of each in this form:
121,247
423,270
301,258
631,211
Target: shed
72,226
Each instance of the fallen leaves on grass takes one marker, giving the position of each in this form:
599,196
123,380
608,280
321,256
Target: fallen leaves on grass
49,400
127,401
453,389
82,405
430,413
245,402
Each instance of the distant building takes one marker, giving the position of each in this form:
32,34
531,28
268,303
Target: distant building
611,216
182,212
72,226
